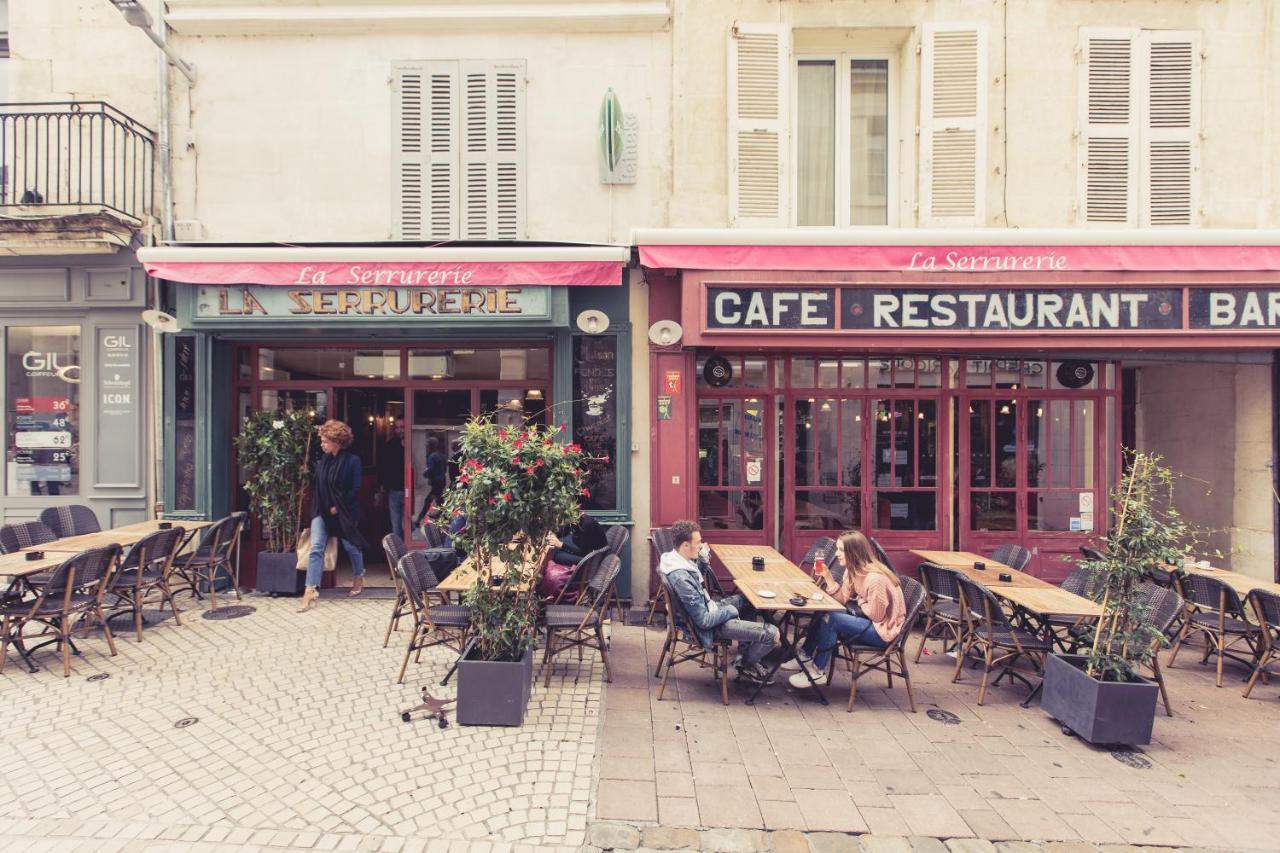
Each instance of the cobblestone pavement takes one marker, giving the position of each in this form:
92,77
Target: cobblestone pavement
792,774
297,743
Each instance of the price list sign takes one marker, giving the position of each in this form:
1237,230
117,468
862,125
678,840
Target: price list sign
44,379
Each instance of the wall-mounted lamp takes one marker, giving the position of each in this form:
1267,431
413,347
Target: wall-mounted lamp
136,15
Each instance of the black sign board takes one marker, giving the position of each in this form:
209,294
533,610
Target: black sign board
802,309
1235,308
1010,309
595,414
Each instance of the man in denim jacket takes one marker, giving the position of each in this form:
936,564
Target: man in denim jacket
712,619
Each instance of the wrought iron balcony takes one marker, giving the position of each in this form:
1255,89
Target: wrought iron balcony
75,159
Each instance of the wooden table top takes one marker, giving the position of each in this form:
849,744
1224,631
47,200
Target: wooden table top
780,576
1053,601
18,566
461,579
126,535
1242,584
962,562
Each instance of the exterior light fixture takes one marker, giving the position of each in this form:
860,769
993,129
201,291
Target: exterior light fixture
136,15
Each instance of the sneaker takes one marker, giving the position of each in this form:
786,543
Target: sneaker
795,663
755,673
800,680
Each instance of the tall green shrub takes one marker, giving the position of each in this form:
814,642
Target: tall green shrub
275,450
516,487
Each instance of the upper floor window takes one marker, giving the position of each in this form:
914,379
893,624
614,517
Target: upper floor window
842,141
459,171
1139,149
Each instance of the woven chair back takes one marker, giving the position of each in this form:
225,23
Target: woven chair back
1210,593
881,554
24,534
71,520
823,546
974,596
662,542
393,547
1267,605
1013,556
417,576
913,596
91,568
1090,553
1163,606
601,581
434,535
1080,582
617,537
940,582
153,548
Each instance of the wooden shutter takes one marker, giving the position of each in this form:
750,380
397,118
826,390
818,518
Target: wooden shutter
1107,153
425,178
493,150
1171,129
759,79
953,125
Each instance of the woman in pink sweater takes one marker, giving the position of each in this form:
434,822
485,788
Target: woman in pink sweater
879,595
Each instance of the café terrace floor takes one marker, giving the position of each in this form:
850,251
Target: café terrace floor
296,744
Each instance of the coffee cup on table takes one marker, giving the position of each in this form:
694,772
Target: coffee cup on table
1006,577
980,566
757,563
35,555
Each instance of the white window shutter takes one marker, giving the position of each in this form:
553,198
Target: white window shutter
493,150
759,80
1107,152
1171,129
953,125
424,129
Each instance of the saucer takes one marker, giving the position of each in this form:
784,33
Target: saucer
766,593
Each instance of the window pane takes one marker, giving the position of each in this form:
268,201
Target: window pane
1082,476
851,454
805,440
493,364
927,455
43,373
816,143
731,510
980,443
828,373
595,414
1006,443
827,510
184,416
928,372
853,374
869,142
993,511
755,372
881,373
1051,510
315,403
289,364
1037,443
708,443
802,372
883,445
731,439
906,510
828,428
904,442
510,407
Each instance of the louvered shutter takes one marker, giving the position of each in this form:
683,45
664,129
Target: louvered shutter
424,127
1107,157
759,79
953,125
1171,129
493,150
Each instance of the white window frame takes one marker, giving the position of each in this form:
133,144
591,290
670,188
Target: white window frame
843,64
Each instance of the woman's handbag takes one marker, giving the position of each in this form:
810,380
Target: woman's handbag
304,551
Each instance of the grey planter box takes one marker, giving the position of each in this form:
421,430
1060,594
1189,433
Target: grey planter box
1102,712
494,693
278,573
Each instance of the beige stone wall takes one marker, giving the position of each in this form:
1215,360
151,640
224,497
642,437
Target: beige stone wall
1032,97
1213,425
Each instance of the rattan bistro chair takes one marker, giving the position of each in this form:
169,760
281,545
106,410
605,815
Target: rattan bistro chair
824,547
1220,618
69,600
581,625
219,550
659,544
863,659
1164,606
1013,556
433,625
575,585
71,520
24,534
942,619
881,554
1068,631
1266,605
144,570
393,547
989,632
682,645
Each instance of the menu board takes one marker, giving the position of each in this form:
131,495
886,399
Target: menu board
43,375
184,423
595,415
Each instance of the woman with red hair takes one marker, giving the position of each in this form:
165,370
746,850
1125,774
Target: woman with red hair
335,508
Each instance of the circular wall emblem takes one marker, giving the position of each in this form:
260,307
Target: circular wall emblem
717,371
1074,374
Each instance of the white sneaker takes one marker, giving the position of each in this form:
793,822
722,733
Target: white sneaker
795,663
800,680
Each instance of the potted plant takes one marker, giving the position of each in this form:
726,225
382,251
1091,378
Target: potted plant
1099,695
516,487
275,450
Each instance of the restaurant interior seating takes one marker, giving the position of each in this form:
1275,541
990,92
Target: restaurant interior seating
433,624
70,520
145,569
988,631
1218,616
863,659
581,626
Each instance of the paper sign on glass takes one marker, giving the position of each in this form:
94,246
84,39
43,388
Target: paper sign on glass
755,469
1086,502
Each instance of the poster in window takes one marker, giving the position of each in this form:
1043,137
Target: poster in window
43,374
184,417
595,415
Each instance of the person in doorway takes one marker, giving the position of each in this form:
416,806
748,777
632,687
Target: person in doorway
391,477
714,620
335,508
882,609
437,474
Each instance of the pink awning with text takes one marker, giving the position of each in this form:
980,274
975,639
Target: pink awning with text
391,274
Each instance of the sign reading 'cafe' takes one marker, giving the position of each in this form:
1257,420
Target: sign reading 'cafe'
896,309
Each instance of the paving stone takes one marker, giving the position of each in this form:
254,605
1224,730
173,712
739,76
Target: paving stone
925,844
725,840
613,836
885,844
834,842
669,838
970,845
789,841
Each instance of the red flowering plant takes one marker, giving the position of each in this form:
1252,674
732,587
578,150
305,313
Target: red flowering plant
517,486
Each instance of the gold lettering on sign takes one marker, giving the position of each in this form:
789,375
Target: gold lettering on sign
349,302
324,302
506,300
375,301
300,305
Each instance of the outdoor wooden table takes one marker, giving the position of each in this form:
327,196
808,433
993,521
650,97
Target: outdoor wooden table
129,534
962,561
784,579
1242,584
461,578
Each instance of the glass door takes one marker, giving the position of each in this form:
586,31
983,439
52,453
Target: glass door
735,469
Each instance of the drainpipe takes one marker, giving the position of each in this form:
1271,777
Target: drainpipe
164,155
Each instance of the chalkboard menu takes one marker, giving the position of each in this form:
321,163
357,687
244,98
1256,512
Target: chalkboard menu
595,414
184,422
43,371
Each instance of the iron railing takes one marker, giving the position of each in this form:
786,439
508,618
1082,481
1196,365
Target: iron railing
63,158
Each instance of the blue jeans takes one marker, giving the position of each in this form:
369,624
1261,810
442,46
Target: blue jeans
395,506
821,641
315,561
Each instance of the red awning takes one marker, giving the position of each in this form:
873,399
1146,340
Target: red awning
592,266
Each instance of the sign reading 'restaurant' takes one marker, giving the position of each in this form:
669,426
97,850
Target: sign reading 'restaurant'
971,309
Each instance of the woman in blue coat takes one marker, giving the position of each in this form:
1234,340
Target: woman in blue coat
335,508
